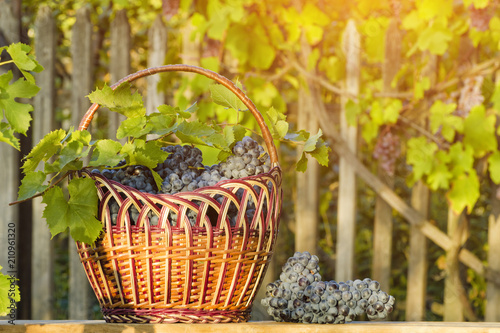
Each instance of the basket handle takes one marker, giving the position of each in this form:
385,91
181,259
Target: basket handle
271,148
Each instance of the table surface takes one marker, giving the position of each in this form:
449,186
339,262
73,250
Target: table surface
81,326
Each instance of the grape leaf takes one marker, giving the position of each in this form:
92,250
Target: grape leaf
440,176
161,124
311,143
233,134
44,150
391,111
302,163
17,114
301,135
32,184
141,153
120,100
225,97
78,213
133,127
435,38
352,110
106,152
441,118
461,159
72,151
7,136
25,62
420,155
5,297
494,167
158,179
321,152
174,111
464,192
479,131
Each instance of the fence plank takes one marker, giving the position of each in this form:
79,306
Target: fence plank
80,294
43,122
492,291
119,61
9,27
306,198
417,260
383,224
157,36
453,308
346,216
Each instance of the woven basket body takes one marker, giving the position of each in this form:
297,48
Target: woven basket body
208,271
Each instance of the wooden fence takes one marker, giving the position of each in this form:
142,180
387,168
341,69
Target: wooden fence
36,276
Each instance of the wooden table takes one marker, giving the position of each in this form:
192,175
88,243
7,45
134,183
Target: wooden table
81,326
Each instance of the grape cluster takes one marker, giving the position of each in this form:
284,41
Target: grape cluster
183,170
387,151
301,296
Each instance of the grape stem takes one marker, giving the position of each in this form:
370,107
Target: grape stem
39,194
6,62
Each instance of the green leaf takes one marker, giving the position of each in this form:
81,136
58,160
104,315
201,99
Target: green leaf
435,39
6,294
158,179
461,159
299,136
19,54
225,97
56,210
44,150
83,201
464,192
494,167
352,110
120,100
233,134
175,111
428,9
495,97
281,128
7,136
420,155
17,114
141,153
133,127
78,213
71,152
302,163
106,152
312,142
440,176
479,131
441,118
391,111
32,184
321,153
420,87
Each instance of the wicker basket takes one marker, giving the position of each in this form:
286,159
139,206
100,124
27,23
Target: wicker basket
208,272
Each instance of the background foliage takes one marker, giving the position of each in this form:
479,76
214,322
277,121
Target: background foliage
440,127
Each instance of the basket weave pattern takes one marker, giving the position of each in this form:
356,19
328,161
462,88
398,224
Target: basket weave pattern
202,271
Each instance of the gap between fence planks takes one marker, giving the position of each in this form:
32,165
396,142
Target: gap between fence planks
79,291
119,64
383,224
307,192
42,290
253,327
